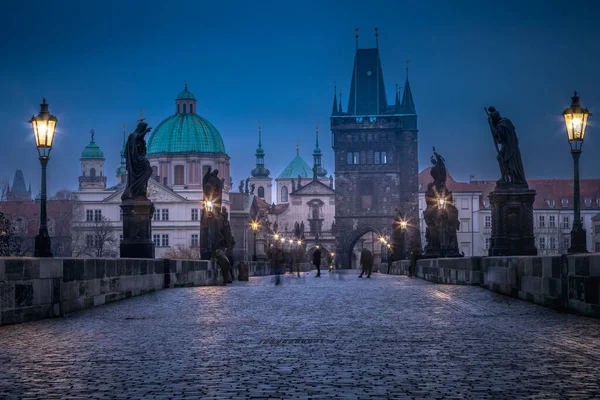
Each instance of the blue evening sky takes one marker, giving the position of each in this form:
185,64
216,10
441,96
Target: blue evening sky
98,62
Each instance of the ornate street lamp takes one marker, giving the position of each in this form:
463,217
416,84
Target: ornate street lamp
576,118
44,125
441,202
254,225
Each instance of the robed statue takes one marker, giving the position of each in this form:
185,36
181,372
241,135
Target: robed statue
138,167
507,146
212,186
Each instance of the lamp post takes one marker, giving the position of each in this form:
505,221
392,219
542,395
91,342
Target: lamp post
299,243
43,125
208,207
441,200
254,225
576,121
403,226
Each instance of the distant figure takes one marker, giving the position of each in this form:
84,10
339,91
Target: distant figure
137,165
224,264
317,260
413,263
390,260
366,261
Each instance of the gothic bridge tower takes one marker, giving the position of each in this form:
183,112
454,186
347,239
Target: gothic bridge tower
376,165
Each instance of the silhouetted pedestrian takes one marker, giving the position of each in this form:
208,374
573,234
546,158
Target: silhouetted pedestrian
366,261
413,263
317,260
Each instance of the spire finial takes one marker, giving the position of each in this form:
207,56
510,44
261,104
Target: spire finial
340,109
259,135
396,88
376,37
92,133
317,134
186,86
141,116
297,146
356,36
407,62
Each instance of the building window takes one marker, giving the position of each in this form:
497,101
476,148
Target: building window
377,157
165,214
89,240
565,223
179,173
184,108
366,195
191,108
156,215
165,240
464,204
488,221
552,243
552,221
155,172
597,229
564,203
464,225
355,158
194,214
542,243
97,215
383,157
486,203
89,215
587,202
566,242
487,243
156,240
92,172
195,240
120,214
551,203
284,194
261,192
597,247
349,159
178,109
542,221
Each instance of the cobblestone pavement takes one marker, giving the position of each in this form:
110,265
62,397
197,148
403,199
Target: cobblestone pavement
388,337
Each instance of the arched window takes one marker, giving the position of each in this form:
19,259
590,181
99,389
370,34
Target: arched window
191,108
155,172
184,108
315,213
261,192
178,171
92,172
178,109
284,194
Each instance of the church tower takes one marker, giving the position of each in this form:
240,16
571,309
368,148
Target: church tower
260,175
376,165
92,167
317,155
122,170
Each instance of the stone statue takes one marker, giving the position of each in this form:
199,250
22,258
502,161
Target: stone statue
297,232
227,240
438,171
315,169
331,181
252,189
299,182
275,226
212,187
138,166
247,182
302,227
241,187
507,146
293,185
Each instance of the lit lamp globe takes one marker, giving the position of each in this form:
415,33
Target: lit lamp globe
44,125
254,226
403,224
576,118
441,203
208,205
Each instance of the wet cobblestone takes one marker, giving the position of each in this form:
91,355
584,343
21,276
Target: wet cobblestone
388,337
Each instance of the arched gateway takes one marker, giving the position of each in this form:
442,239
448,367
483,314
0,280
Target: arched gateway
376,166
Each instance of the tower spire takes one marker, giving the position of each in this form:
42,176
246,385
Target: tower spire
297,146
317,135
356,36
334,109
260,171
259,135
408,104
377,37
340,109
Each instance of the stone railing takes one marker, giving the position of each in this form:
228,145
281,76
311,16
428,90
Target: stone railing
37,288
567,283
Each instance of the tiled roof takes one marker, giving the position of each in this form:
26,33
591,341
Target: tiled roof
550,193
296,167
92,151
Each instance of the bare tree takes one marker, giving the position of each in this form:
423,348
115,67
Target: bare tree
95,239
10,241
4,188
183,253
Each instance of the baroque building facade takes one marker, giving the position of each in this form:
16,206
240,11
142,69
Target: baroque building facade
180,150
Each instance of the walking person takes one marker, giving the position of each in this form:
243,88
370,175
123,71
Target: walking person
317,261
366,261
413,263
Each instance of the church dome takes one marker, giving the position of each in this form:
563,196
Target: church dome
297,167
185,132
92,151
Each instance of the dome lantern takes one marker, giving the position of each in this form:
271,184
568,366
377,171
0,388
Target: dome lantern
185,102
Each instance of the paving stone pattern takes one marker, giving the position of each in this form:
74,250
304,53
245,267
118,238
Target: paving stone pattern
388,337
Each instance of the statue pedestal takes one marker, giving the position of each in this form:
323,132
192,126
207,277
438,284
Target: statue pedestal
137,229
512,222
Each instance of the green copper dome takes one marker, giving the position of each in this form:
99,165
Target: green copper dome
185,95
185,134
92,151
296,167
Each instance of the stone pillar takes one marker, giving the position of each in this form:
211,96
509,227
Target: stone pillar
512,222
137,229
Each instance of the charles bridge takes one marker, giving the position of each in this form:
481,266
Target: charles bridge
458,330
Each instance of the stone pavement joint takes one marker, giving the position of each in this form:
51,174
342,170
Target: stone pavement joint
389,337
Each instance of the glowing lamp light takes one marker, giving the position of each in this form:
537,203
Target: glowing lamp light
403,224
332,254
299,242
291,241
441,202
208,205
576,118
254,225
282,240
389,246
276,236
44,125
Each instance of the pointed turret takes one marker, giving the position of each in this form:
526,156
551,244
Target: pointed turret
122,170
408,104
260,171
18,191
318,170
340,108
334,109
367,91
397,105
